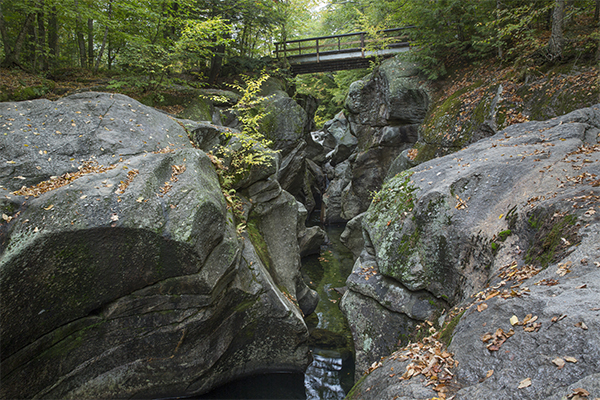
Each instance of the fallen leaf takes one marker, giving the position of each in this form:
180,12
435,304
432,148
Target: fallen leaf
559,362
571,359
489,373
524,383
514,320
581,325
49,207
482,307
114,217
83,197
493,293
581,392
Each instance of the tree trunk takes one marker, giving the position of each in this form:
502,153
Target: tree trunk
41,31
90,56
53,37
557,38
597,11
500,52
101,51
80,38
12,56
109,54
215,64
3,33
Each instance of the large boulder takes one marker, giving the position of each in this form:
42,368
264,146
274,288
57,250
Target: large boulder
120,254
332,198
507,230
285,121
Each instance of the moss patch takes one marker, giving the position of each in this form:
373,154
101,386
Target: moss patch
554,237
259,244
395,198
447,332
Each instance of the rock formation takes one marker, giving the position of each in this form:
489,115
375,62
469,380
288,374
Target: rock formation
506,230
122,273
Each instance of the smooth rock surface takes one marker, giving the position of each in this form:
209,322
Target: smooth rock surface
126,264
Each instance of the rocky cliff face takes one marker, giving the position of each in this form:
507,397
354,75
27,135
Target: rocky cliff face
380,120
507,231
122,273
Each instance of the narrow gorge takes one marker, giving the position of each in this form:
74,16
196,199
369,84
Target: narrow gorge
128,270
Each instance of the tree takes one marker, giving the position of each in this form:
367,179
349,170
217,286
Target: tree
557,38
12,50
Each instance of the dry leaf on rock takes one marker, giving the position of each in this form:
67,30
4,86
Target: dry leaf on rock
481,307
559,362
497,339
563,268
579,394
524,383
581,325
571,359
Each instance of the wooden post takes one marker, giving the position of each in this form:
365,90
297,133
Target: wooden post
339,48
362,44
317,50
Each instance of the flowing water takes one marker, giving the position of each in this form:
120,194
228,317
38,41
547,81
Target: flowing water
330,375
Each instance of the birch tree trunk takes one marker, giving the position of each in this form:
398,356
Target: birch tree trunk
557,38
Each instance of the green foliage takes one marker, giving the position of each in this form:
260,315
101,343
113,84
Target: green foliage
330,90
246,150
504,234
250,107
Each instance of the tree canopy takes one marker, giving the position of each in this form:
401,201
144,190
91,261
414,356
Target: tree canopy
154,37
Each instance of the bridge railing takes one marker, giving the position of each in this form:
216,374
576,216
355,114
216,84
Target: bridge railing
348,42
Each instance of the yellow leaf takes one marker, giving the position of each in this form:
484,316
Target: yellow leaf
571,359
49,207
514,320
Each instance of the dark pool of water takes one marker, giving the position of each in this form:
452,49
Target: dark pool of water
331,374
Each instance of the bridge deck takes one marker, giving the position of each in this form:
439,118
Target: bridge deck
340,52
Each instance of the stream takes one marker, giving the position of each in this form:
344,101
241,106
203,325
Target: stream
331,374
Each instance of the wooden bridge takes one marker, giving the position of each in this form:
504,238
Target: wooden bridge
341,52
